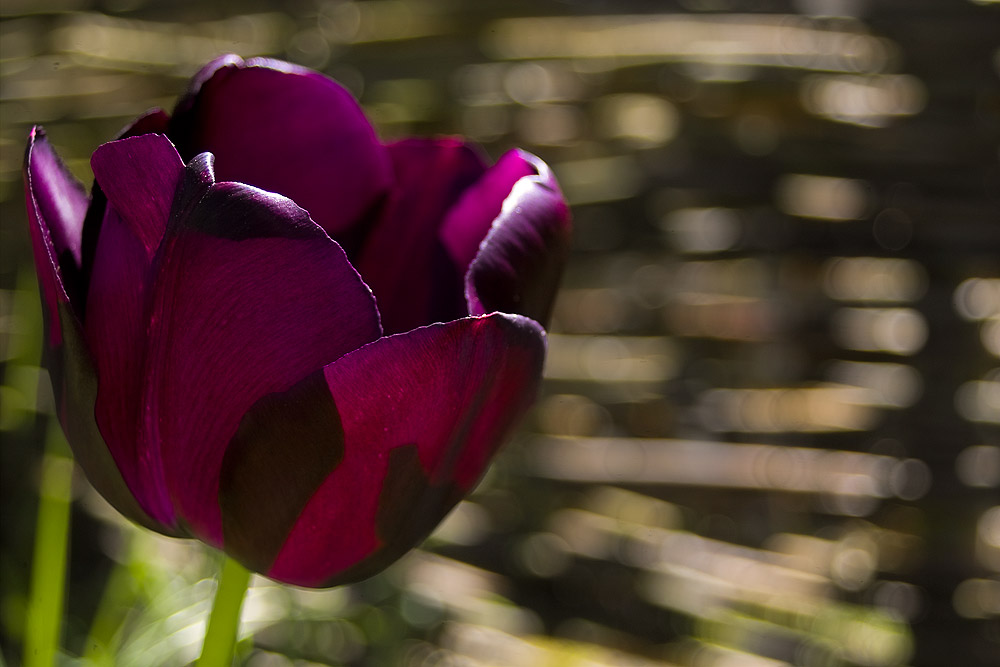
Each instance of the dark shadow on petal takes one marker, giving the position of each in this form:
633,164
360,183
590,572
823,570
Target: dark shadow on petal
447,302
238,212
249,297
402,259
410,507
423,413
75,386
284,448
91,232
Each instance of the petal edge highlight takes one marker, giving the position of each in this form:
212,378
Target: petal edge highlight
520,262
57,205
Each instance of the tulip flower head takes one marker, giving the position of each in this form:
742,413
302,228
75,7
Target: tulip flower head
270,331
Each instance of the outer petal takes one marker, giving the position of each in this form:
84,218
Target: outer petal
288,130
71,369
520,262
403,260
404,427
140,176
78,391
56,204
470,219
249,296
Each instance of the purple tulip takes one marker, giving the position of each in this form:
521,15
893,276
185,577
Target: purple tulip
220,365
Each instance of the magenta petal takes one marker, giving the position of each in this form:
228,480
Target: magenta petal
154,120
59,200
53,200
469,220
116,333
403,260
286,445
250,296
56,204
287,130
421,415
201,77
520,262
139,176
76,394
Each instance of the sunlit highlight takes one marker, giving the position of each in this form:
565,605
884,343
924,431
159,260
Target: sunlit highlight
702,230
702,463
726,40
877,279
979,466
609,358
979,400
822,197
899,331
868,101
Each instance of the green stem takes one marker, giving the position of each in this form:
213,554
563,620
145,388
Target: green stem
118,599
43,622
220,637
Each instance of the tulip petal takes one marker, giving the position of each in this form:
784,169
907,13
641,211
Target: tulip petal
284,448
56,204
411,423
78,391
403,260
250,295
154,120
60,199
470,219
288,130
139,176
520,262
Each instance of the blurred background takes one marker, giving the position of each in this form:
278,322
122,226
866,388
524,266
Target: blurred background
770,433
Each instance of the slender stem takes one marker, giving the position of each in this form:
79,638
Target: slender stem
43,622
220,637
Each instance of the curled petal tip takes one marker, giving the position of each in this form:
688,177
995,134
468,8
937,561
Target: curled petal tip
520,262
